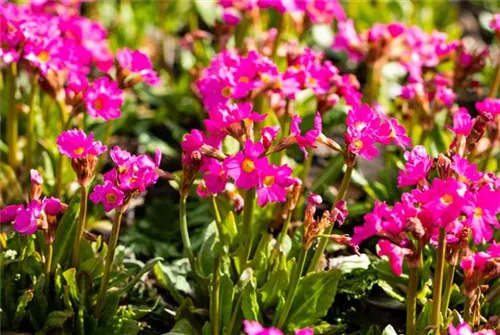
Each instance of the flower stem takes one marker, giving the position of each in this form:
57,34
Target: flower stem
344,185
411,303
81,225
215,319
438,281
234,316
496,83
450,274
12,117
218,220
284,230
467,308
185,233
292,287
48,266
247,226
30,131
64,116
110,255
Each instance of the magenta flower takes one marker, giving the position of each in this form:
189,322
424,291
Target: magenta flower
245,166
229,117
77,84
495,22
395,254
108,194
466,172
488,108
45,55
137,64
462,122
103,99
231,16
9,213
35,177
348,40
26,222
445,95
216,178
255,328
418,165
309,138
362,144
52,206
481,210
372,225
268,135
273,183
76,144
392,132
465,329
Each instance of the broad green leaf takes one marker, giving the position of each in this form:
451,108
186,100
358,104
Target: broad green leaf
145,269
22,303
165,282
389,290
249,303
314,296
66,230
207,9
70,277
55,320
182,327
226,299
424,318
229,229
274,287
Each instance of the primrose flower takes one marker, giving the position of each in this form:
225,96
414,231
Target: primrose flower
77,84
216,178
45,55
268,135
488,108
9,213
273,183
103,99
255,328
462,122
26,222
418,165
465,329
481,210
137,64
246,165
495,22
348,40
466,172
229,118
392,132
395,254
108,194
76,144
309,138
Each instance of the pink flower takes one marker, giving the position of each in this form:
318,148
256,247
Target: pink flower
481,210
362,144
372,225
137,172
495,22
392,132
137,64
45,55
488,108
465,329
348,40
77,83
418,165
273,183
216,178
76,144
231,16
268,135
108,194
395,254
229,117
9,213
309,138
52,206
466,172
26,222
245,166
255,328
462,122
446,95
103,99
35,177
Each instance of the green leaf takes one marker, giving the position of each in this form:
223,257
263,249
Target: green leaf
207,10
314,296
145,269
165,282
389,330
55,320
182,327
424,318
249,303
226,299
65,233
229,229
22,302
269,293
70,277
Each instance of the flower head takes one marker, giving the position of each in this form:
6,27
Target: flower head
9,213
273,183
137,64
76,144
26,222
246,165
103,99
418,165
108,194
395,254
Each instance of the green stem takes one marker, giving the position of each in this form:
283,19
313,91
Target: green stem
496,83
12,118
81,225
411,303
281,24
64,116
30,131
110,255
284,230
438,281
344,185
185,233
450,274
48,266
248,213
215,319
218,220
373,83
234,316
290,294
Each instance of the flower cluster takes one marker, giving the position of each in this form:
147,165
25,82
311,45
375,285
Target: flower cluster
480,266
462,200
465,329
132,175
62,47
318,11
39,213
255,328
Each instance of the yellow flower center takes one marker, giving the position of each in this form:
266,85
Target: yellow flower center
463,178
312,81
269,181
111,198
478,212
358,144
98,104
447,199
248,165
43,57
226,92
243,79
266,79
392,134
79,151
